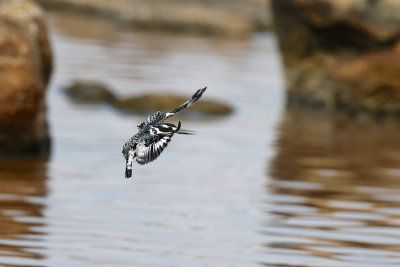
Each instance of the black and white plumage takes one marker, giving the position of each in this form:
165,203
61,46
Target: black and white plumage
154,135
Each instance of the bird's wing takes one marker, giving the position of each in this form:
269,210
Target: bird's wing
156,117
147,153
188,103
158,138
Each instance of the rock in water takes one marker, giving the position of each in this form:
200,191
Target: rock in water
341,55
159,101
89,92
25,68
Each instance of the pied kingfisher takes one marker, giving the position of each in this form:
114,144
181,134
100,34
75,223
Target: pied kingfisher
153,136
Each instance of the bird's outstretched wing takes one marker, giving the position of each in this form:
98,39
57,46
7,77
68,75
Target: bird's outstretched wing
188,103
159,137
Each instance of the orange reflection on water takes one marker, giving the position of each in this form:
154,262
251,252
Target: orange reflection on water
335,190
22,186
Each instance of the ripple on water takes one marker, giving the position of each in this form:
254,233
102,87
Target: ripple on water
314,191
347,215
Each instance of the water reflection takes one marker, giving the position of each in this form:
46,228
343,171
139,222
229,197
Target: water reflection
22,189
335,191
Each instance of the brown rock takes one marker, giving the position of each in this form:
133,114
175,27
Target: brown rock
94,92
165,102
89,92
218,17
25,68
341,53
370,81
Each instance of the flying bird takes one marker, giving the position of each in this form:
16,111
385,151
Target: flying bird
154,135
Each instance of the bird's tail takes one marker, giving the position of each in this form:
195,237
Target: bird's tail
188,103
183,131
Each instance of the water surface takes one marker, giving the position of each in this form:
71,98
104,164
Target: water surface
267,186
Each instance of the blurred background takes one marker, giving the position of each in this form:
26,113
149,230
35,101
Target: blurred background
296,157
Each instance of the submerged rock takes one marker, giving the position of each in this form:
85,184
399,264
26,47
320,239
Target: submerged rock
341,54
90,92
25,68
151,102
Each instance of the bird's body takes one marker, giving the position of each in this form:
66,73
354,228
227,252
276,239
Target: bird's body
153,136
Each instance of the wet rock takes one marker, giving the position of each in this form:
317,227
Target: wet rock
89,92
370,82
341,54
25,68
152,102
222,17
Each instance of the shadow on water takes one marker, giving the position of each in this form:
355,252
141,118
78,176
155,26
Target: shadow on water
335,189
22,186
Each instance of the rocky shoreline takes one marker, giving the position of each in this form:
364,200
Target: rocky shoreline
235,18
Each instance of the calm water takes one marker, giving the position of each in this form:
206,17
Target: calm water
266,186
